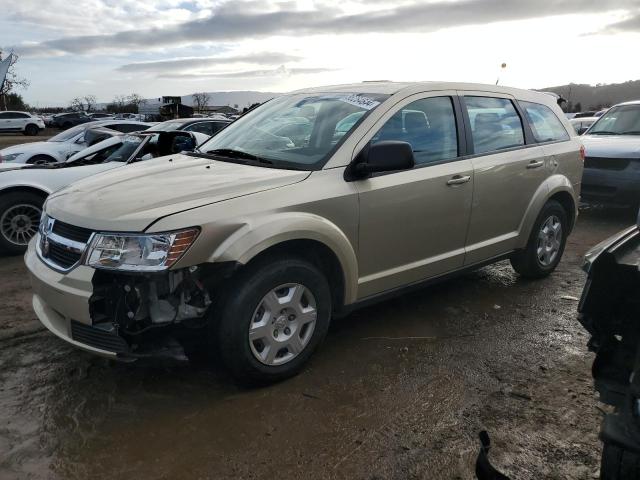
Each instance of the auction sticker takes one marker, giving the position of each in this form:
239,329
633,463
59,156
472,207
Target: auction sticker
361,101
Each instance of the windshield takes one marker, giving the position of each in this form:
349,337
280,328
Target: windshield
167,126
297,131
69,134
622,120
129,145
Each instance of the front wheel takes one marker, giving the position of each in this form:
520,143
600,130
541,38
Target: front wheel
19,220
546,243
31,130
271,319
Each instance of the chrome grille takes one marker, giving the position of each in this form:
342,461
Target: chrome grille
60,245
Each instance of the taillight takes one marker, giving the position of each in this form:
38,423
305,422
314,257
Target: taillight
582,154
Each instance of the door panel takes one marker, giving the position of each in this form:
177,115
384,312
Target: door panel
412,225
504,184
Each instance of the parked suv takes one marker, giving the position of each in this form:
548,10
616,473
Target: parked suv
256,240
22,122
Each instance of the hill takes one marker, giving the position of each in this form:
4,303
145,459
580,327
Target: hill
583,97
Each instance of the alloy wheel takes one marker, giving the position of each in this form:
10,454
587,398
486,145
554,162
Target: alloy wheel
19,223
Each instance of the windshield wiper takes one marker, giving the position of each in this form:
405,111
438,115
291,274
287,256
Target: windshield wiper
631,132
231,153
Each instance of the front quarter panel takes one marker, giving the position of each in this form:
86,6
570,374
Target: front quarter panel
323,208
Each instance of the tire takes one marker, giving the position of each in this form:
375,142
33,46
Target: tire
246,299
15,229
41,160
528,263
31,130
618,464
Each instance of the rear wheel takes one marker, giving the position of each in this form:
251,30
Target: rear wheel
31,130
546,243
19,220
271,319
40,160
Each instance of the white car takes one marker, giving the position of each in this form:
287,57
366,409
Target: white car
24,188
22,122
62,146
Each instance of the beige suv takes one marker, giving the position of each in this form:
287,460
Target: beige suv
313,204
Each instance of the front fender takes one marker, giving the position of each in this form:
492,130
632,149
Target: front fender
256,236
550,187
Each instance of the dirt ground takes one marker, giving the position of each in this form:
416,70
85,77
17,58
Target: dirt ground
10,139
398,391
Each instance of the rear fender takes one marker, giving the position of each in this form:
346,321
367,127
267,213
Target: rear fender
550,187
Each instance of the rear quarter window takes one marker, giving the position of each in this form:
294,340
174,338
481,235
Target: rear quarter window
545,125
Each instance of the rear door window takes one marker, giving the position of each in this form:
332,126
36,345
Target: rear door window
126,127
201,127
495,124
428,124
545,125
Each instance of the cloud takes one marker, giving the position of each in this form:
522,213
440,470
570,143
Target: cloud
235,20
264,58
281,71
630,24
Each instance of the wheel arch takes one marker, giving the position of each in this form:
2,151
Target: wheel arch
556,187
303,235
24,188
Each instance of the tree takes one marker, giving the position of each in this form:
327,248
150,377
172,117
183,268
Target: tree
14,101
136,100
12,80
90,102
77,104
200,101
577,107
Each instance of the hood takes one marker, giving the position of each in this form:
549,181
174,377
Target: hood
26,147
612,146
5,167
131,198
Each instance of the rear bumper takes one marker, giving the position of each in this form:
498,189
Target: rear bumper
611,186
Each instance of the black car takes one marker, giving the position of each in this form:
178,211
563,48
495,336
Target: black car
208,126
610,311
68,120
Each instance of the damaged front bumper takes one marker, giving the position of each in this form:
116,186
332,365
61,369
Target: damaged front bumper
121,316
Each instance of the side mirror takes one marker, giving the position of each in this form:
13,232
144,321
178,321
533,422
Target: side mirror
386,156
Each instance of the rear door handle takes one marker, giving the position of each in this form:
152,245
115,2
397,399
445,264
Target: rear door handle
535,164
458,179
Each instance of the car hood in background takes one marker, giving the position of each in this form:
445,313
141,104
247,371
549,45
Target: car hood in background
29,147
131,198
612,146
6,167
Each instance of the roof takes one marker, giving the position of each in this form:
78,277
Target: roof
630,102
390,88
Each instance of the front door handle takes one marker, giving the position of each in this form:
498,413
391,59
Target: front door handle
458,179
535,164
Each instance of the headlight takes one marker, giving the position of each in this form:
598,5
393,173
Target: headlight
139,253
10,157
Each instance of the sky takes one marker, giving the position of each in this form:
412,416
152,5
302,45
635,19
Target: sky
176,47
